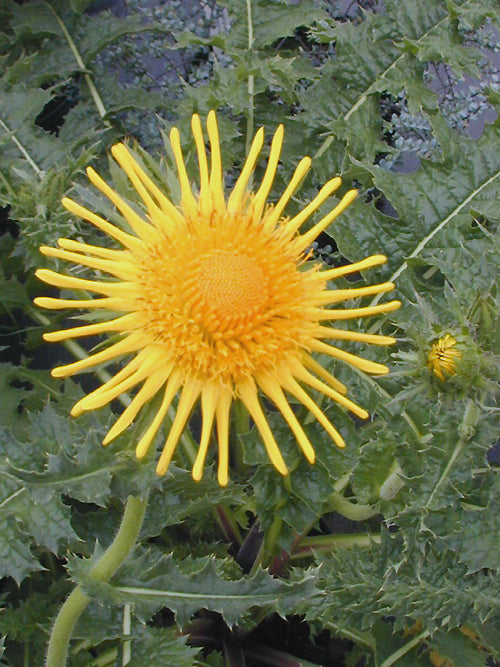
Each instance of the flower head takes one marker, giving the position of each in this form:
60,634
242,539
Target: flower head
443,356
212,300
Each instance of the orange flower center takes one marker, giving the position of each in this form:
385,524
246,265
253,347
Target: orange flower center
231,288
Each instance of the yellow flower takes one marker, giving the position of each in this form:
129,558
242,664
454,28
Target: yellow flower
211,299
442,357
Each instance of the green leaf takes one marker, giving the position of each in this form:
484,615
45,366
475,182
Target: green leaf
76,462
35,19
178,499
383,53
457,648
15,554
23,389
158,647
301,498
150,581
269,20
435,200
477,536
28,622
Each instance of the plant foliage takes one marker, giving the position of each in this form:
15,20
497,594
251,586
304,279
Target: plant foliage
391,548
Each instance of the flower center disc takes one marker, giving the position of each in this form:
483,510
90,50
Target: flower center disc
232,286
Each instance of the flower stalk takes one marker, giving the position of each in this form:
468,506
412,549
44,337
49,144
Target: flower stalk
354,512
103,570
326,543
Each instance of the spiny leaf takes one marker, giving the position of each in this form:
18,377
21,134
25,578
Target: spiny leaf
162,646
178,499
265,21
151,581
76,462
437,197
15,554
477,536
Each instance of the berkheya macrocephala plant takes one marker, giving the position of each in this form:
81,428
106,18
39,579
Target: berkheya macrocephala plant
233,569
243,314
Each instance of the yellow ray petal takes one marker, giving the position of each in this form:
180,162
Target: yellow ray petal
274,215
222,416
150,388
209,398
335,296
131,343
306,239
163,201
216,182
293,225
272,388
294,388
248,393
300,373
358,362
124,323
447,366
344,334
352,313
311,363
104,396
205,195
173,384
260,198
142,228
115,380
129,166
105,253
190,394
106,303
127,240
119,289
236,195
121,269
368,263
188,200
94,402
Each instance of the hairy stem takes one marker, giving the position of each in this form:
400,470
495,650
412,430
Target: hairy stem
103,570
352,511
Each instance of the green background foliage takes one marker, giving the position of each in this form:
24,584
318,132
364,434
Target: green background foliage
389,550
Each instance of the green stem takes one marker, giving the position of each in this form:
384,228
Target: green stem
465,430
327,543
394,657
354,512
127,644
101,109
103,570
23,150
363,638
271,538
228,524
393,483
